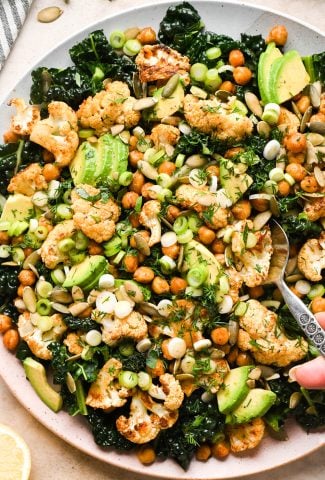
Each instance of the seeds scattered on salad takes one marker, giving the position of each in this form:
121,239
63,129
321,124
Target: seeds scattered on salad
49,14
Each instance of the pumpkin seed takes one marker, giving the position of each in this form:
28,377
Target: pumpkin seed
116,129
58,307
141,244
196,160
180,259
216,354
315,138
307,196
61,295
229,261
296,110
233,331
31,259
263,129
305,118
139,88
170,86
184,376
148,309
174,121
294,399
133,291
76,308
266,372
255,374
144,103
49,14
125,136
223,95
315,90
71,384
291,265
77,294
261,219
311,156
294,278
29,299
91,299
319,175
253,104
317,127
176,366
274,206
250,383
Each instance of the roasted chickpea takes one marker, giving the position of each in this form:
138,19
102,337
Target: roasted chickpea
144,275
130,263
206,235
147,36
256,292
220,449
172,251
129,200
167,167
5,323
134,157
303,103
146,455
278,35
160,286
50,172
242,75
134,219
220,335
94,248
233,152
295,142
218,246
236,58
4,238
318,305
172,213
137,183
48,157
243,358
296,157
177,285
228,86
145,191
133,141
11,339
232,355
283,188
10,137
203,453
213,171
309,184
242,210
157,370
27,277
297,171
20,290
260,204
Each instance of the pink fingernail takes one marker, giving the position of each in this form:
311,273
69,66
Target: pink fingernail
292,374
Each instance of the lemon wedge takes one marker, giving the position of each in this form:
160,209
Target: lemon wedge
15,460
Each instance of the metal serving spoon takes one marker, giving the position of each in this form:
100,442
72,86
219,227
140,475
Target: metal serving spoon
300,312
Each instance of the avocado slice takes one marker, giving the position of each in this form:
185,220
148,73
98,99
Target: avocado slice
113,158
83,165
36,374
86,272
265,63
256,404
18,207
234,183
197,254
167,106
288,77
234,388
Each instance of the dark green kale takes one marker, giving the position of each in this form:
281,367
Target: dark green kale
178,21
287,322
14,157
59,364
280,411
198,142
310,411
77,323
299,227
9,309
23,351
318,67
103,426
8,283
259,171
135,362
198,422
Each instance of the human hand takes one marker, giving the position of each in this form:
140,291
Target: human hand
311,374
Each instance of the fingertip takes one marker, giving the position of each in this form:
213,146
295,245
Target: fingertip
320,317
311,374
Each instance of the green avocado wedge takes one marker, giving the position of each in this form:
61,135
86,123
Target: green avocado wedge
255,404
113,155
85,273
84,164
265,63
35,373
234,389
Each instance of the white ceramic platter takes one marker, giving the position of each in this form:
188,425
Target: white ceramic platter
224,18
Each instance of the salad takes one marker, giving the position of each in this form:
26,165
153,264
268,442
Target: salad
137,187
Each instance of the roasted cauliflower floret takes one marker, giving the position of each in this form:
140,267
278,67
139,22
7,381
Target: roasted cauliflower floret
73,342
288,121
246,436
311,259
133,326
25,118
260,334
109,107
159,62
28,181
164,135
254,263
33,336
106,392
170,391
58,133
50,253
315,209
213,381
142,426
95,219
149,218
235,283
211,116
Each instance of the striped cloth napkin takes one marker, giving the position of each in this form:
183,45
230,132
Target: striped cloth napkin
12,17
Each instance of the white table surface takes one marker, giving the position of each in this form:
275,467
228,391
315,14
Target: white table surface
53,459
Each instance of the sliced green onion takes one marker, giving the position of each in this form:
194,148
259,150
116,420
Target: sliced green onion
213,53
132,47
223,284
43,288
180,225
289,179
77,256
179,161
5,251
93,338
212,80
270,187
185,237
43,307
156,158
113,246
193,292
167,264
198,72
63,211
81,241
125,179
126,349
67,197
138,205
144,381
18,255
41,232
194,222
164,194
128,379
119,257
276,174
270,116
98,74
58,276
117,39
86,132
196,276
66,245
317,290
240,309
